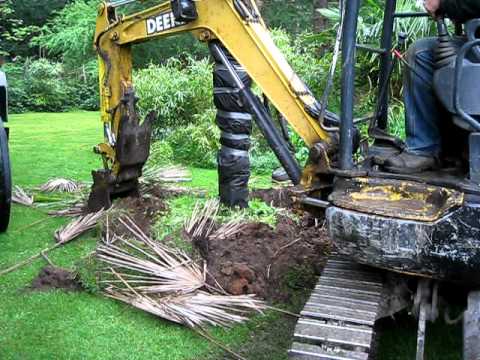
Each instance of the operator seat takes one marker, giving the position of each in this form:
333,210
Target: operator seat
448,83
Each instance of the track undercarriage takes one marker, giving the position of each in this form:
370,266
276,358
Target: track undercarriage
338,321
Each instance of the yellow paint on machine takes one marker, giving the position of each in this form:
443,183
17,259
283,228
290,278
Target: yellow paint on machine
249,42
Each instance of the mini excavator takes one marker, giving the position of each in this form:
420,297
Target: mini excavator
421,227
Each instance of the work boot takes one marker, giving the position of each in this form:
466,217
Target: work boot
408,163
280,175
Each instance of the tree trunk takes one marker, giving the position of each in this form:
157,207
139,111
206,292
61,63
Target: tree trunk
320,23
259,4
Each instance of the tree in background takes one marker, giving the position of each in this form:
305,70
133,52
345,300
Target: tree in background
69,35
14,34
38,11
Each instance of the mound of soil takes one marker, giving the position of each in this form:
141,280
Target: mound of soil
268,262
51,277
280,198
144,208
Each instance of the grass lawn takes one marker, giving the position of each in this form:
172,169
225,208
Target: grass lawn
59,325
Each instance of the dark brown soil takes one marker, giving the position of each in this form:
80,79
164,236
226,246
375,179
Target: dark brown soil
51,277
271,263
280,198
144,209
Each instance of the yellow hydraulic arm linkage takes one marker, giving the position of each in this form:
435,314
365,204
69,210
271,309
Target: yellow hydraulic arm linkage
235,24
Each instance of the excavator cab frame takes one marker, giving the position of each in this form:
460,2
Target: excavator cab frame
423,225
398,201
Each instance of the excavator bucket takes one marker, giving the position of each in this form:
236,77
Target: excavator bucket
132,149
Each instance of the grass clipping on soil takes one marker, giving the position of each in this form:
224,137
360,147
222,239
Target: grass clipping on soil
166,282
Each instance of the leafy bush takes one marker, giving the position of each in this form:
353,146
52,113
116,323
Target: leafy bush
37,86
196,143
177,91
43,85
83,87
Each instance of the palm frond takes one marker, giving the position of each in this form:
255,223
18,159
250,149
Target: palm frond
172,174
78,227
19,196
71,211
228,230
152,267
165,282
193,310
61,185
202,221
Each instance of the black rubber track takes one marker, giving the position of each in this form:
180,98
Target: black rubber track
5,181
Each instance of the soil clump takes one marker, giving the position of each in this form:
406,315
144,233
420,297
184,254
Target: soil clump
144,209
272,263
280,198
51,277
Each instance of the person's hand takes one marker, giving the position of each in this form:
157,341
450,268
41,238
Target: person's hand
432,6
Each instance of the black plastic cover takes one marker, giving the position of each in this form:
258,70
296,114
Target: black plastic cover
235,122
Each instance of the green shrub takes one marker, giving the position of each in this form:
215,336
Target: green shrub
43,85
161,153
196,143
177,91
37,86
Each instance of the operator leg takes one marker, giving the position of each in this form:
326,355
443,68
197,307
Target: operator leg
423,113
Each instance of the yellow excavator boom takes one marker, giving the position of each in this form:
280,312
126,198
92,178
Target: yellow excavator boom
239,28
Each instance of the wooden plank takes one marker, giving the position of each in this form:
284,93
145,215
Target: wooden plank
321,333
342,293
340,314
342,302
311,352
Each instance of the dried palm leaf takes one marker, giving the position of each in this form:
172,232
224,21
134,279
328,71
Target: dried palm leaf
228,230
152,267
77,227
193,310
19,196
202,221
165,282
72,211
158,174
62,185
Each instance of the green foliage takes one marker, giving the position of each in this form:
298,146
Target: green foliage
396,121
70,33
43,85
13,32
257,212
37,85
176,90
197,143
38,11
294,16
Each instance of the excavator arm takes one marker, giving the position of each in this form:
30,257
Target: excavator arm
237,25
